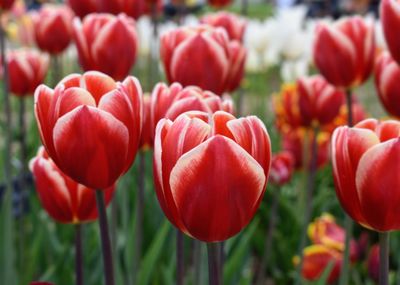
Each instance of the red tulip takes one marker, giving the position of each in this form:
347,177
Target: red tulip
373,263
210,172
146,140
202,56
133,8
325,231
64,200
233,24
83,7
41,283
344,51
53,28
103,37
317,258
170,102
365,163
293,142
390,19
387,74
27,70
219,3
281,168
90,126
6,4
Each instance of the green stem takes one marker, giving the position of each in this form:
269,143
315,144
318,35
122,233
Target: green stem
197,262
214,274
78,255
180,269
105,239
349,103
384,258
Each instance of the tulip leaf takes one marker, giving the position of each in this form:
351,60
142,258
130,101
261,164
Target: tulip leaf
148,263
325,275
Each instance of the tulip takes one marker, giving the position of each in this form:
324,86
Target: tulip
6,4
390,19
41,283
133,8
27,70
170,102
63,199
203,56
234,25
219,3
325,231
281,168
344,51
53,28
387,84
316,259
100,37
365,172
373,263
146,135
294,140
83,7
210,172
95,119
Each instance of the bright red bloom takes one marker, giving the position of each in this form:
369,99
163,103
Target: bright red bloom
146,140
282,167
83,7
210,172
27,70
387,74
90,126
344,52
6,4
366,164
373,263
316,260
233,24
41,283
170,102
390,19
293,141
103,37
133,8
63,199
203,56
325,231
53,28
219,3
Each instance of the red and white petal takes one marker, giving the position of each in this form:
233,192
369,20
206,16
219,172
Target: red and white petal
97,84
216,187
72,98
378,184
92,146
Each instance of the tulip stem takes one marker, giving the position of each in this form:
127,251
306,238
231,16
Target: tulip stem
344,273
57,69
105,239
196,262
180,269
214,270
384,258
78,255
349,103
312,169
22,138
244,8
268,241
139,209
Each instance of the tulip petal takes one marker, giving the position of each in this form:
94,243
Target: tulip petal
85,140
216,187
378,185
97,84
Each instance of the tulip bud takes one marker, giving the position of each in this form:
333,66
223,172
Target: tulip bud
316,259
63,199
102,37
6,4
344,52
90,126
365,162
170,102
233,25
390,19
210,172
27,70
202,56
219,3
373,263
387,73
282,167
41,283
53,28
83,7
